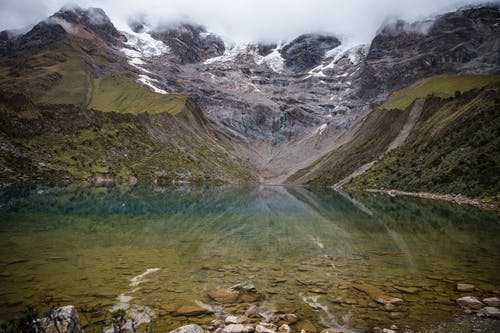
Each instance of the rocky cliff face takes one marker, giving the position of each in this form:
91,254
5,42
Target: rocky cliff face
281,105
465,41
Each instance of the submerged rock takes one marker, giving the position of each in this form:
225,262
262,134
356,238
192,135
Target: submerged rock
306,325
407,290
64,320
192,328
492,301
238,328
266,328
236,319
470,302
191,311
284,329
235,294
465,287
491,312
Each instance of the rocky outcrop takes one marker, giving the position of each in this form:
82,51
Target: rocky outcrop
93,20
190,43
62,320
465,41
307,51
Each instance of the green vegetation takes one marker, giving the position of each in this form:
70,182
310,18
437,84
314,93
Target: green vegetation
72,112
440,86
454,148
121,94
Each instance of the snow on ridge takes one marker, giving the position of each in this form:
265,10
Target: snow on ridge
355,54
141,46
148,81
273,60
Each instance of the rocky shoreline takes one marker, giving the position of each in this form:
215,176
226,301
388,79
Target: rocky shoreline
459,199
479,316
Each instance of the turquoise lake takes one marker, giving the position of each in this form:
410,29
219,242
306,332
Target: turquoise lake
307,252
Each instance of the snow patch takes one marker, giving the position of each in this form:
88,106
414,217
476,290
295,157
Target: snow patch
322,129
68,27
273,60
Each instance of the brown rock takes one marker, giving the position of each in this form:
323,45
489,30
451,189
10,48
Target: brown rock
407,290
191,311
290,318
395,315
465,287
284,329
492,301
306,325
225,295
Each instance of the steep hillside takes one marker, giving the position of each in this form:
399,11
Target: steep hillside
451,146
72,109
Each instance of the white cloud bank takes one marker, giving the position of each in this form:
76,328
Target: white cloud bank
248,20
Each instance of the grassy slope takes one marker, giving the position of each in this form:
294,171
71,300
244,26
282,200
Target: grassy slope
120,94
454,147
74,123
441,86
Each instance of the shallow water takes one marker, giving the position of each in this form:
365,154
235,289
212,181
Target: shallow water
306,251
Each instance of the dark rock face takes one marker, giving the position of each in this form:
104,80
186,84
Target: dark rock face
464,41
95,20
306,51
42,36
191,43
265,49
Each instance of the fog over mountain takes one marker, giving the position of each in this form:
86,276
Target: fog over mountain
354,21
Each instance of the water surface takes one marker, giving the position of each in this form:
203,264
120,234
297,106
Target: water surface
306,251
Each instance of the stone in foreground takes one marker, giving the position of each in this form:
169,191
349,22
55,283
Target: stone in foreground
66,319
188,329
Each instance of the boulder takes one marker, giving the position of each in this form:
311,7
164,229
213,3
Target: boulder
192,328
64,320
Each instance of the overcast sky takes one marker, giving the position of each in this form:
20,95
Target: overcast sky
244,20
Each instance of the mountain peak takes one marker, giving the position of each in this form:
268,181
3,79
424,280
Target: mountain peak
82,22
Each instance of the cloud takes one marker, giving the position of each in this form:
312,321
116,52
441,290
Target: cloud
244,20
